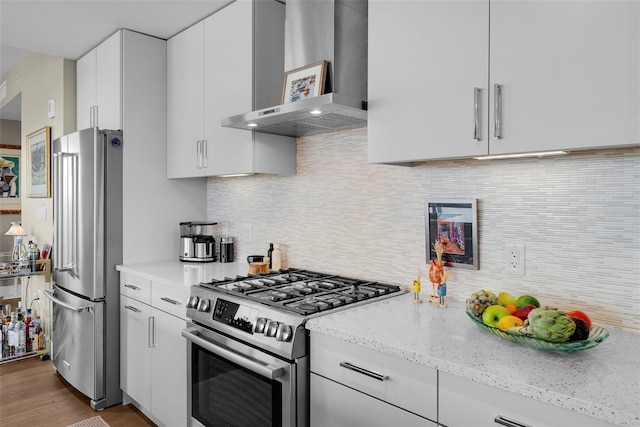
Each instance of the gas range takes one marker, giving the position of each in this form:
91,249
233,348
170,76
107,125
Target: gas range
268,311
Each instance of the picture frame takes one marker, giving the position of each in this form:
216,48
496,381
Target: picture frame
455,222
304,82
39,163
10,177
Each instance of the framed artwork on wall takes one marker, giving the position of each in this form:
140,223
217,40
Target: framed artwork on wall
304,82
39,163
455,224
10,174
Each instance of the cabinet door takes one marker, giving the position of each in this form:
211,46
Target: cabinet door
333,404
570,74
185,102
228,87
85,88
135,356
169,370
425,59
109,82
483,404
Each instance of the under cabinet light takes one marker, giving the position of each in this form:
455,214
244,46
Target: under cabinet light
232,175
522,155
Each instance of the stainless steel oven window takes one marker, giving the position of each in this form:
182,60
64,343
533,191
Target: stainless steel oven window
233,384
226,394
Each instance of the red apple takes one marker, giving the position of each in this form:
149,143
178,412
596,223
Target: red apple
523,311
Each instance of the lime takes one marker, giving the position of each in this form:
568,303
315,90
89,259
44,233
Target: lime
527,299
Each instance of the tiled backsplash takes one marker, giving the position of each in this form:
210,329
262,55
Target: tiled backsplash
578,217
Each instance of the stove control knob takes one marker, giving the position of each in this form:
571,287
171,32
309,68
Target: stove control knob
261,324
192,302
271,329
284,333
203,305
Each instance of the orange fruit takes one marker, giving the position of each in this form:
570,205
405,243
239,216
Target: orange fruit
511,307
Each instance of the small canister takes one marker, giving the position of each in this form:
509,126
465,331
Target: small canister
226,249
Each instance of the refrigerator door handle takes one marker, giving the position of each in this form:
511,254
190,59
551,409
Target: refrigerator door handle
59,261
49,294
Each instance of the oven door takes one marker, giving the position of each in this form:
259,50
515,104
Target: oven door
232,384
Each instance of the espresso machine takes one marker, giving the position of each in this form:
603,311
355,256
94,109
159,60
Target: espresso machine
195,245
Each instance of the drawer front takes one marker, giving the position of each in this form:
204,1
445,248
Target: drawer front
135,287
333,404
405,384
170,299
483,404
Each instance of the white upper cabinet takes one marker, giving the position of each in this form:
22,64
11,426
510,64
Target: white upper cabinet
568,75
569,72
425,59
185,103
99,83
211,75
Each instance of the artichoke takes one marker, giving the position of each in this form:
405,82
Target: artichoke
480,300
550,325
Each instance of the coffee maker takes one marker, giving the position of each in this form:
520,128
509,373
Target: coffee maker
195,245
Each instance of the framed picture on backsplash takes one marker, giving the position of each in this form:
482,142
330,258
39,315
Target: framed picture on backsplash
304,82
455,224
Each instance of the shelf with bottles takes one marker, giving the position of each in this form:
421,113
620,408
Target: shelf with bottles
22,268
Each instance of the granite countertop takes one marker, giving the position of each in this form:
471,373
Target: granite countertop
602,382
176,273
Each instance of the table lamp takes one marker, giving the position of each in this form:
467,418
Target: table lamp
17,232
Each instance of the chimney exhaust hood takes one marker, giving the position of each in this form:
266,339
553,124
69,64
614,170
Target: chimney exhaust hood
315,30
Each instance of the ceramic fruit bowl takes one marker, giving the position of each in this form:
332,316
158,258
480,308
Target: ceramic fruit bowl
596,336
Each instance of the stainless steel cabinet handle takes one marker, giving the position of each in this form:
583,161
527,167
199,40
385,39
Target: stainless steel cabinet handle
509,422
152,331
477,99
49,294
199,154
205,153
267,371
170,301
135,288
497,111
135,310
372,374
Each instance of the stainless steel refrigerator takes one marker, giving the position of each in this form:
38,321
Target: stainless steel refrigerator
87,246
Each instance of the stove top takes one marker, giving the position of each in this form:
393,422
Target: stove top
301,292
269,310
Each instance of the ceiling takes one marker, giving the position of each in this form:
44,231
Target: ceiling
69,29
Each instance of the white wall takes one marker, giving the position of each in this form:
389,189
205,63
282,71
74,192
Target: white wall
578,217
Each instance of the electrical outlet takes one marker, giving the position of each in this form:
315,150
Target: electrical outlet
514,259
246,233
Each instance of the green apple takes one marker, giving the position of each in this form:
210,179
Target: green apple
505,298
492,315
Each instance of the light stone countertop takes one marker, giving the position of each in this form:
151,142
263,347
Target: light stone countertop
177,273
602,382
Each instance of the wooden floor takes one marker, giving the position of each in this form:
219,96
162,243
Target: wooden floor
33,394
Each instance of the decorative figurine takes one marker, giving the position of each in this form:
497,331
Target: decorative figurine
416,289
442,291
436,271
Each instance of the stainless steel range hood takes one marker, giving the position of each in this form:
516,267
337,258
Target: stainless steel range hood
331,30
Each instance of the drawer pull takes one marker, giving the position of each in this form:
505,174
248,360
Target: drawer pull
170,301
364,371
135,288
509,422
135,310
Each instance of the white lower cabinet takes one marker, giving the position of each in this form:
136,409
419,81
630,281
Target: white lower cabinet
354,386
153,354
467,403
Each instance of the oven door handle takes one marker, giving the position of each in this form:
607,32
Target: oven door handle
265,370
